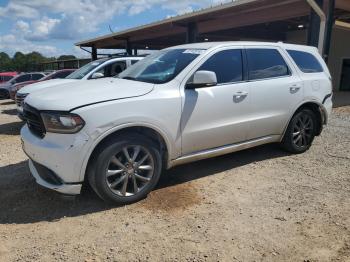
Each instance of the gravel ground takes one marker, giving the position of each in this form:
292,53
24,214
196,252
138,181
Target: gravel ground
256,205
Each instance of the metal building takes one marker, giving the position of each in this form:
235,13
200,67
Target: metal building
322,23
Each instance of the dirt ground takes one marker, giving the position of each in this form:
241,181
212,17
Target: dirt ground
256,205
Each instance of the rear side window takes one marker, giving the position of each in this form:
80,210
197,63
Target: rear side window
37,76
134,61
266,63
62,74
23,78
227,65
305,61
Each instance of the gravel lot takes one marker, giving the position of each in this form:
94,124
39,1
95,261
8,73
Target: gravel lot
256,205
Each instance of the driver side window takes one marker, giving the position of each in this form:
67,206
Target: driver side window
227,64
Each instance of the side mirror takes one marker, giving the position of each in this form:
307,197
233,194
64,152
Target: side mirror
97,75
203,79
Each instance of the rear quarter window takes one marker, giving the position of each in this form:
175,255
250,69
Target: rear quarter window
306,62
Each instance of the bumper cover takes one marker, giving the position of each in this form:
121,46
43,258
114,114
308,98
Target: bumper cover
69,189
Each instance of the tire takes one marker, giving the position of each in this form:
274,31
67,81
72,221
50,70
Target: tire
300,132
121,162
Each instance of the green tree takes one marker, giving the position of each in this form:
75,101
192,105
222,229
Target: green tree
5,62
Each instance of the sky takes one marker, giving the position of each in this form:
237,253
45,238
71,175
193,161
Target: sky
51,27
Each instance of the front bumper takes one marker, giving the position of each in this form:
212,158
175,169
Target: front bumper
68,189
63,155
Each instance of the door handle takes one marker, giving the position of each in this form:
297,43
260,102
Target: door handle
239,96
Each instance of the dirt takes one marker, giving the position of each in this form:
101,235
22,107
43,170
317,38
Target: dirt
260,204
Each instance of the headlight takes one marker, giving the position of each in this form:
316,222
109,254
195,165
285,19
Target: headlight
64,123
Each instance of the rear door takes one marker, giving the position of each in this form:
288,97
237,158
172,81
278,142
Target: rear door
276,90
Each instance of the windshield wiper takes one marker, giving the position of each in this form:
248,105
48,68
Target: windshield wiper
129,78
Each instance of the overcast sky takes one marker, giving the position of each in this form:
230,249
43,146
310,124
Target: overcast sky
51,27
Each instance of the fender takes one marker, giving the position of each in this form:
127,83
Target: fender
310,100
171,149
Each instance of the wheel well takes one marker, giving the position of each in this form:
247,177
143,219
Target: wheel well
315,108
140,130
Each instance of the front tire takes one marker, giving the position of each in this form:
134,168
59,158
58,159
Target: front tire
125,169
300,132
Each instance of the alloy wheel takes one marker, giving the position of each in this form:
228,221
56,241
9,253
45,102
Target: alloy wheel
130,170
303,131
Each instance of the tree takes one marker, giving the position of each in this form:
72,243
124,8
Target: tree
66,57
5,62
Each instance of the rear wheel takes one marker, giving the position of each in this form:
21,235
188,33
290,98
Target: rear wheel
300,132
126,169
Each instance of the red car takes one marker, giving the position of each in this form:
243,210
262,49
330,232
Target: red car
55,75
6,76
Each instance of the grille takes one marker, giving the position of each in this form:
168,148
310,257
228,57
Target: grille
34,121
20,98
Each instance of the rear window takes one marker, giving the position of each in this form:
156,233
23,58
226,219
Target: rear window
266,63
305,61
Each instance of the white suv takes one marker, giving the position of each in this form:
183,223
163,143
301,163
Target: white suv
178,105
105,67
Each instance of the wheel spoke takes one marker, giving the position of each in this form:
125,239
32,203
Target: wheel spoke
118,181
146,167
144,179
136,153
114,172
136,189
125,185
142,160
126,154
296,133
116,161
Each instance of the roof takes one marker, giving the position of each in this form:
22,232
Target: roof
209,45
239,19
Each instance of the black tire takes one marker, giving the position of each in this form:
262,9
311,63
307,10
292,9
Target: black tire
304,121
102,161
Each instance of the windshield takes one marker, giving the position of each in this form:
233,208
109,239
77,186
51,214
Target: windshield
162,66
83,71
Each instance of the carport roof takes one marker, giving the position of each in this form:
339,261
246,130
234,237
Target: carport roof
221,18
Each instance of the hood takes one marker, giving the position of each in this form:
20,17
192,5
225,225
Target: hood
66,97
5,85
44,84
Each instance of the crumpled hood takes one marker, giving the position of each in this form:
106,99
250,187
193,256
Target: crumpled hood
66,97
44,84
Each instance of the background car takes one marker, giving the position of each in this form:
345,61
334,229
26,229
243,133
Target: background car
106,67
5,87
59,74
7,76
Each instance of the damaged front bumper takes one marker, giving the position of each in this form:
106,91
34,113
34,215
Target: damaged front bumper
56,160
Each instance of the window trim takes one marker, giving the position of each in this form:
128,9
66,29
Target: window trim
290,71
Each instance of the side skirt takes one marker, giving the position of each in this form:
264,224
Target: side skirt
218,151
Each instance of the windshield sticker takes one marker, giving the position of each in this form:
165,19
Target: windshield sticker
194,51
95,64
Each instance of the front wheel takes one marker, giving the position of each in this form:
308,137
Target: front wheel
125,169
300,132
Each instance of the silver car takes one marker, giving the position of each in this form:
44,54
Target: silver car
176,106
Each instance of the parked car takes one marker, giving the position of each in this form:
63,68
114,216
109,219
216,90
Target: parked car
7,76
59,74
176,106
5,87
107,67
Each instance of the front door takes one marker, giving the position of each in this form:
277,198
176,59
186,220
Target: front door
216,116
